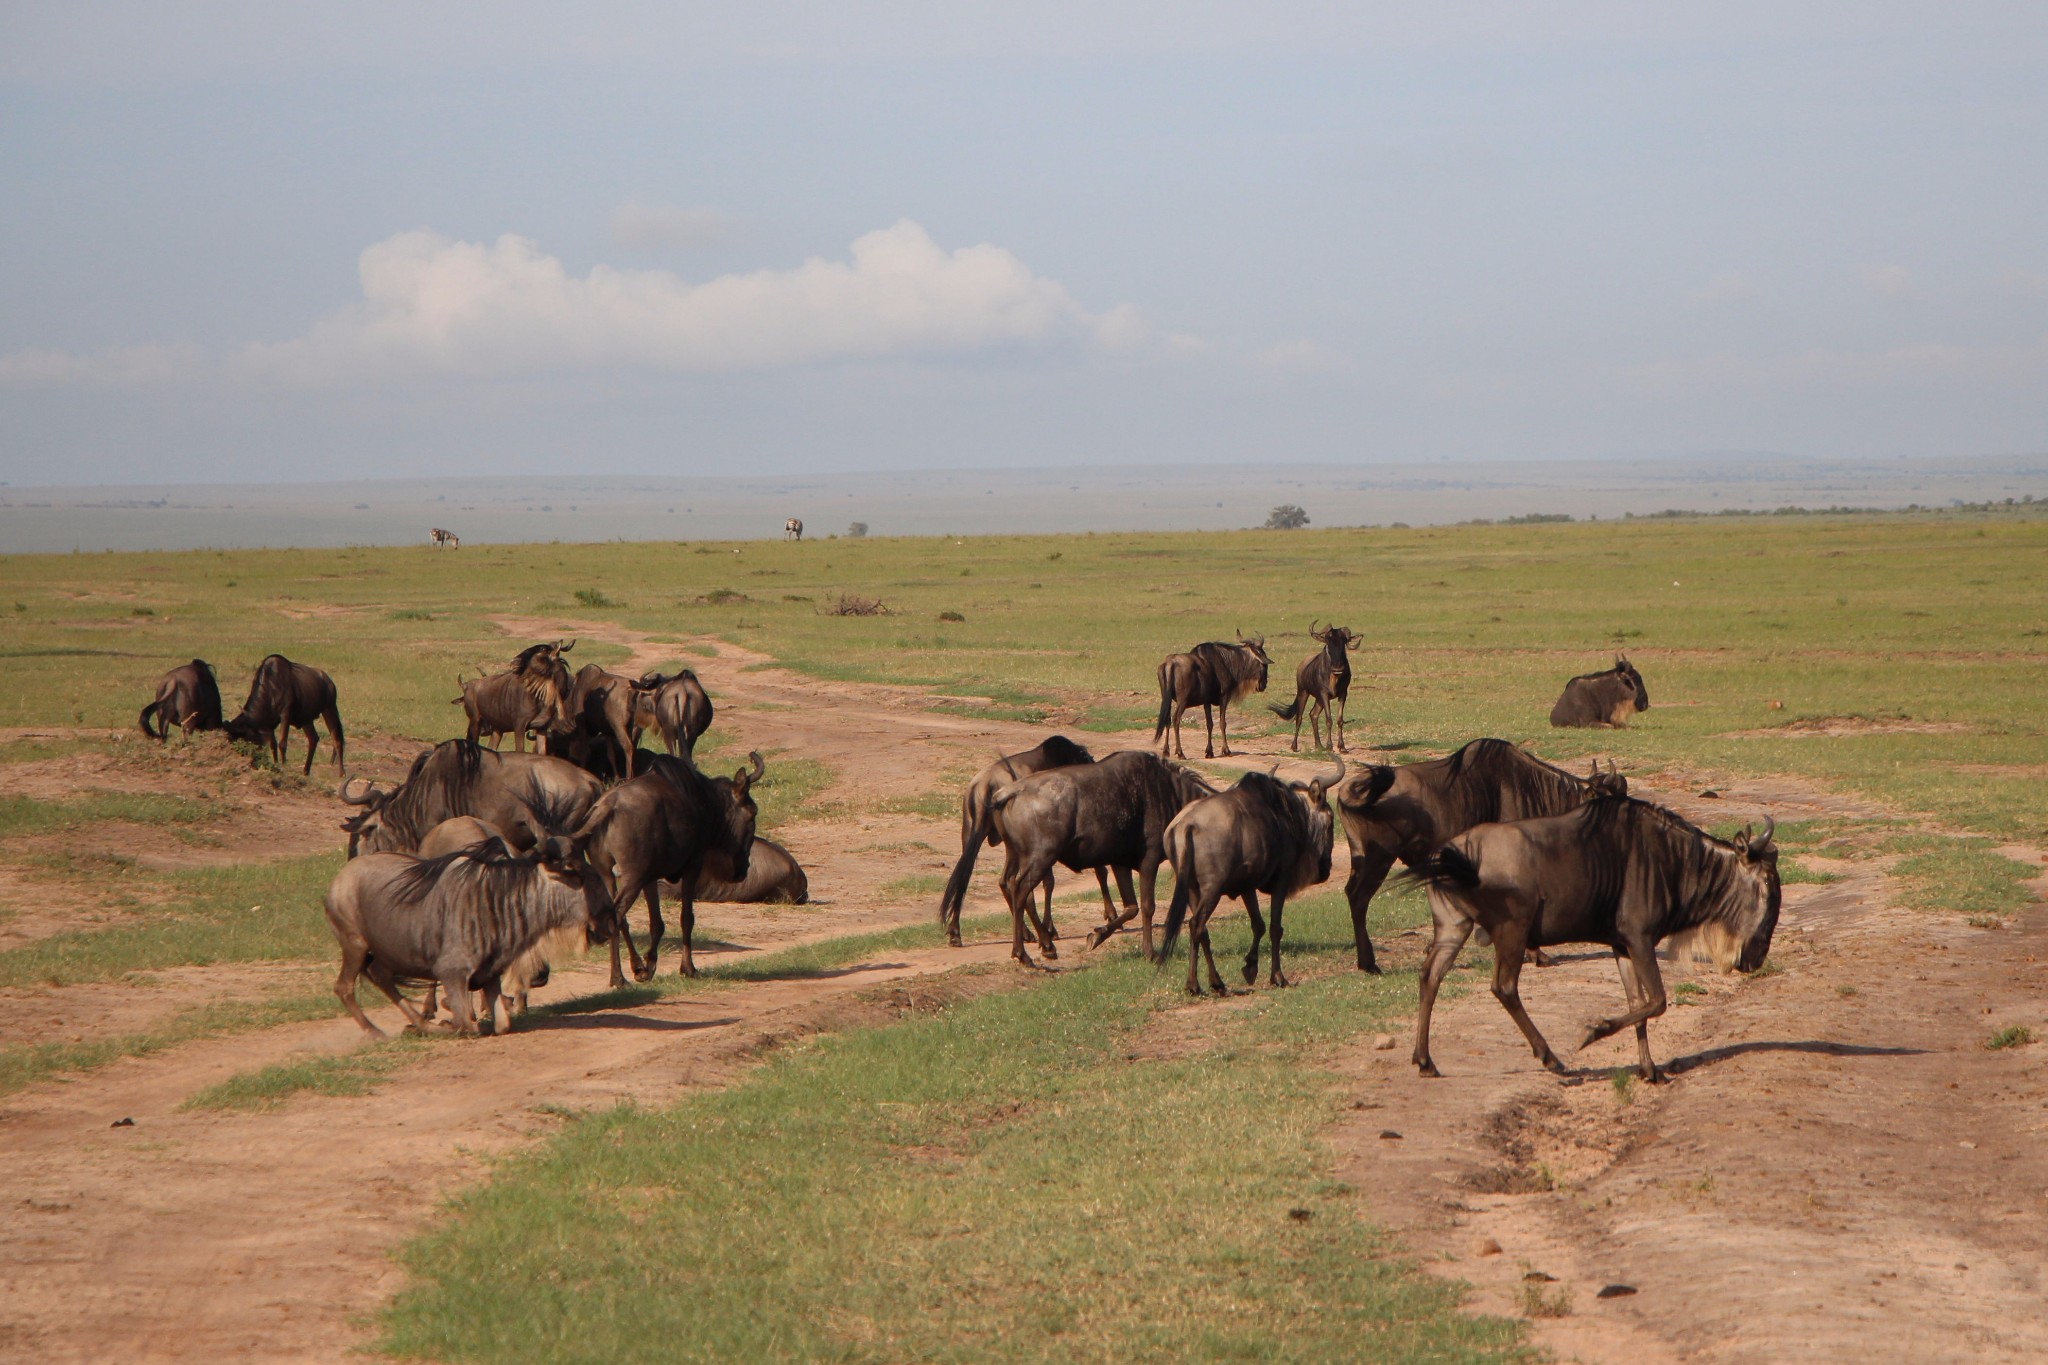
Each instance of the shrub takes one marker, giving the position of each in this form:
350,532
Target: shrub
951,616
853,604
1286,517
857,530
594,597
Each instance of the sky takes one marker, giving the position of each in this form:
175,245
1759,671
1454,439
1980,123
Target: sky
262,242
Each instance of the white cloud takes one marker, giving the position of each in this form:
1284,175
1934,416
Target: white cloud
435,306
658,227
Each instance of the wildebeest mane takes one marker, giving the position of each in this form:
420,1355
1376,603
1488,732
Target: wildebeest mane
1697,869
439,785
552,810
490,865
1486,771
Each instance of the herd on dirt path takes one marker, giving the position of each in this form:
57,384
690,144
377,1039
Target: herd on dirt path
1842,1171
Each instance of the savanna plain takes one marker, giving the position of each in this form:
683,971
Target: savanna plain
847,1141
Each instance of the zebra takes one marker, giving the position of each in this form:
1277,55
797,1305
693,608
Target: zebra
444,539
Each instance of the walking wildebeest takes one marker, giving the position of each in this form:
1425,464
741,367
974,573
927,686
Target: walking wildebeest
1087,817
444,539
526,796
793,529
532,695
1408,812
773,877
1616,871
976,828
1209,675
1320,686
530,969
669,824
284,697
1260,835
186,697
459,920
1606,698
682,709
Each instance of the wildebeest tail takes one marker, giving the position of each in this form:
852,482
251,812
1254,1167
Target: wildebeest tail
955,894
1449,866
1165,699
143,720
1181,852
1289,711
1379,778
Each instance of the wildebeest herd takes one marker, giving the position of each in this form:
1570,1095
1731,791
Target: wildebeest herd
467,874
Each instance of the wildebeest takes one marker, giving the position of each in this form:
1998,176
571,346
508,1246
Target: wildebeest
1320,686
1090,816
1260,835
1606,698
1211,675
530,696
284,697
444,539
793,529
1616,871
530,969
605,717
526,796
773,877
682,709
669,824
458,920
976,828
187,697
1408,812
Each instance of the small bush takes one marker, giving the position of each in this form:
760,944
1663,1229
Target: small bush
857,530
853,604
1538,1302
2013,1035
721,597
1286,517
594,597
951,616
142,611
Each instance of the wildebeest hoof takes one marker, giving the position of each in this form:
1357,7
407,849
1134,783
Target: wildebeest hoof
1428,1069
952,940
643,973
1051,950
1555,1067
1278,979
1251,972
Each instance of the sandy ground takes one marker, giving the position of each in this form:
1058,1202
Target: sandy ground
1837,1169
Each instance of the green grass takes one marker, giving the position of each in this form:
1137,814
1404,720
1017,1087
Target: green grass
26,1064
1964,875
2013,1035
347,1073
24,815
932,1189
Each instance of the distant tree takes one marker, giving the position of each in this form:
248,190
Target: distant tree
1286,517
857,530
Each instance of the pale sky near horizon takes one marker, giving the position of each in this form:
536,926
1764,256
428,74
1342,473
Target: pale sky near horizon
254,242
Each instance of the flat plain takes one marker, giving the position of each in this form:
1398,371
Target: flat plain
846,1141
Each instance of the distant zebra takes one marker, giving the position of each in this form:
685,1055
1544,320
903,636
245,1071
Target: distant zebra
793,529
444,540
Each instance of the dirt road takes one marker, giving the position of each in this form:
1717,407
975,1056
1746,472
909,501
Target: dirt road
1839,1168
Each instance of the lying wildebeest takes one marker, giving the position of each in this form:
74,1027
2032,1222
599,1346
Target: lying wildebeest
1260,835
976,828
681,709
284,697
530,970
1408,812
1089,816
669,824
773,877
1211,675
186,697
530,696
1606,698
1320,686
526,796
459,920
605,716
1616,871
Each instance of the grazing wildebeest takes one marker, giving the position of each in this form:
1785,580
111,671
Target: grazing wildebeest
606,713
793,529
669,824
444,539
1606,698
773,877
459,920
976,828
284,697
525,796
1211,675
1616,871
1320,686
681,709
1408,812
1259,835
186,697
1087,817
530,696
530,970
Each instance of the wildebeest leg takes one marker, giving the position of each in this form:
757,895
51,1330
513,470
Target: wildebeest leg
1509,938
1251,959
488,1016
1209,729
456,988
1452,929
1111,920
655,929
686,925
1223,724
1148,901
1650,1003
1046,932
352,955
1368,870
381,979
1315,723
312,743
1337,724
428,1007
1646,1067
1020,885
1300,705
1198,939
1276,977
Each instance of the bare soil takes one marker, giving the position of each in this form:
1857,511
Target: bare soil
1837,1168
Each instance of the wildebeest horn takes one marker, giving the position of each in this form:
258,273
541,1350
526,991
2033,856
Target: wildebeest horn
1763,841
365,799
561,648
760,768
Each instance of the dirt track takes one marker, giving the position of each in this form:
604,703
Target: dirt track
1829,1175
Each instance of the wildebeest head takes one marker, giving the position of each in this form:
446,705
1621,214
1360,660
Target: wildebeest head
1609,783
740,814
1759,873
563,860
1626,671
364,827
1257,645
1322,822
1339,636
